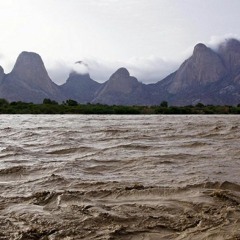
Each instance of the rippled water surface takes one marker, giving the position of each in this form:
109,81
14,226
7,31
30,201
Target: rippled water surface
116,165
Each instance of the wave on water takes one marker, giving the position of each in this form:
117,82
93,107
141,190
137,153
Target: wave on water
119,177
125,212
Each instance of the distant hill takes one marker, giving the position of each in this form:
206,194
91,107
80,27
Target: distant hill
208,76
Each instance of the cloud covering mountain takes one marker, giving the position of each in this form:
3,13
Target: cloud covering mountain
208,76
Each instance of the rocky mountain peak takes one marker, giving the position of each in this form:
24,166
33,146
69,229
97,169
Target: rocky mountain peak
123,72
230,53
1,73
78,79
30,68
121,81
28,60
121,88
1,70
203,67
74,74
80,87
230,45
29,81
120,75
199,48
202,53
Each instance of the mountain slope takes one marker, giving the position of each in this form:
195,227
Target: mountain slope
210,77
80,88
207,76
29,81
229,51
2,75
203,67
122,89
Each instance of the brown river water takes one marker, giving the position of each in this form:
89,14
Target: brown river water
149,177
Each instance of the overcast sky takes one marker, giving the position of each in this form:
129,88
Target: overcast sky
149,37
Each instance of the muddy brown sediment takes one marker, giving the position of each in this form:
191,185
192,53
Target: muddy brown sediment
119,177
124,212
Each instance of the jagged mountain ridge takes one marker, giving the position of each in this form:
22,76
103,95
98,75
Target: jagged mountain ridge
210,77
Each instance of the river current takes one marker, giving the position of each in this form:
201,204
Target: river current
119,177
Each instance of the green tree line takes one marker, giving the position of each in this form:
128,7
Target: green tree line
70,106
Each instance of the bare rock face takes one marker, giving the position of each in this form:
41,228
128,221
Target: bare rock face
230,53
121,89
207,76
121,82
203,67
29,81
80,87
1,74
210,77
30,69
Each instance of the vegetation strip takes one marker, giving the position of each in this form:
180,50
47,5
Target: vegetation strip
72,107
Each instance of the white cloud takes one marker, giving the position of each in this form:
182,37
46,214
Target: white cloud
1,56
151,69
80,67
59,72
147,70
216,40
